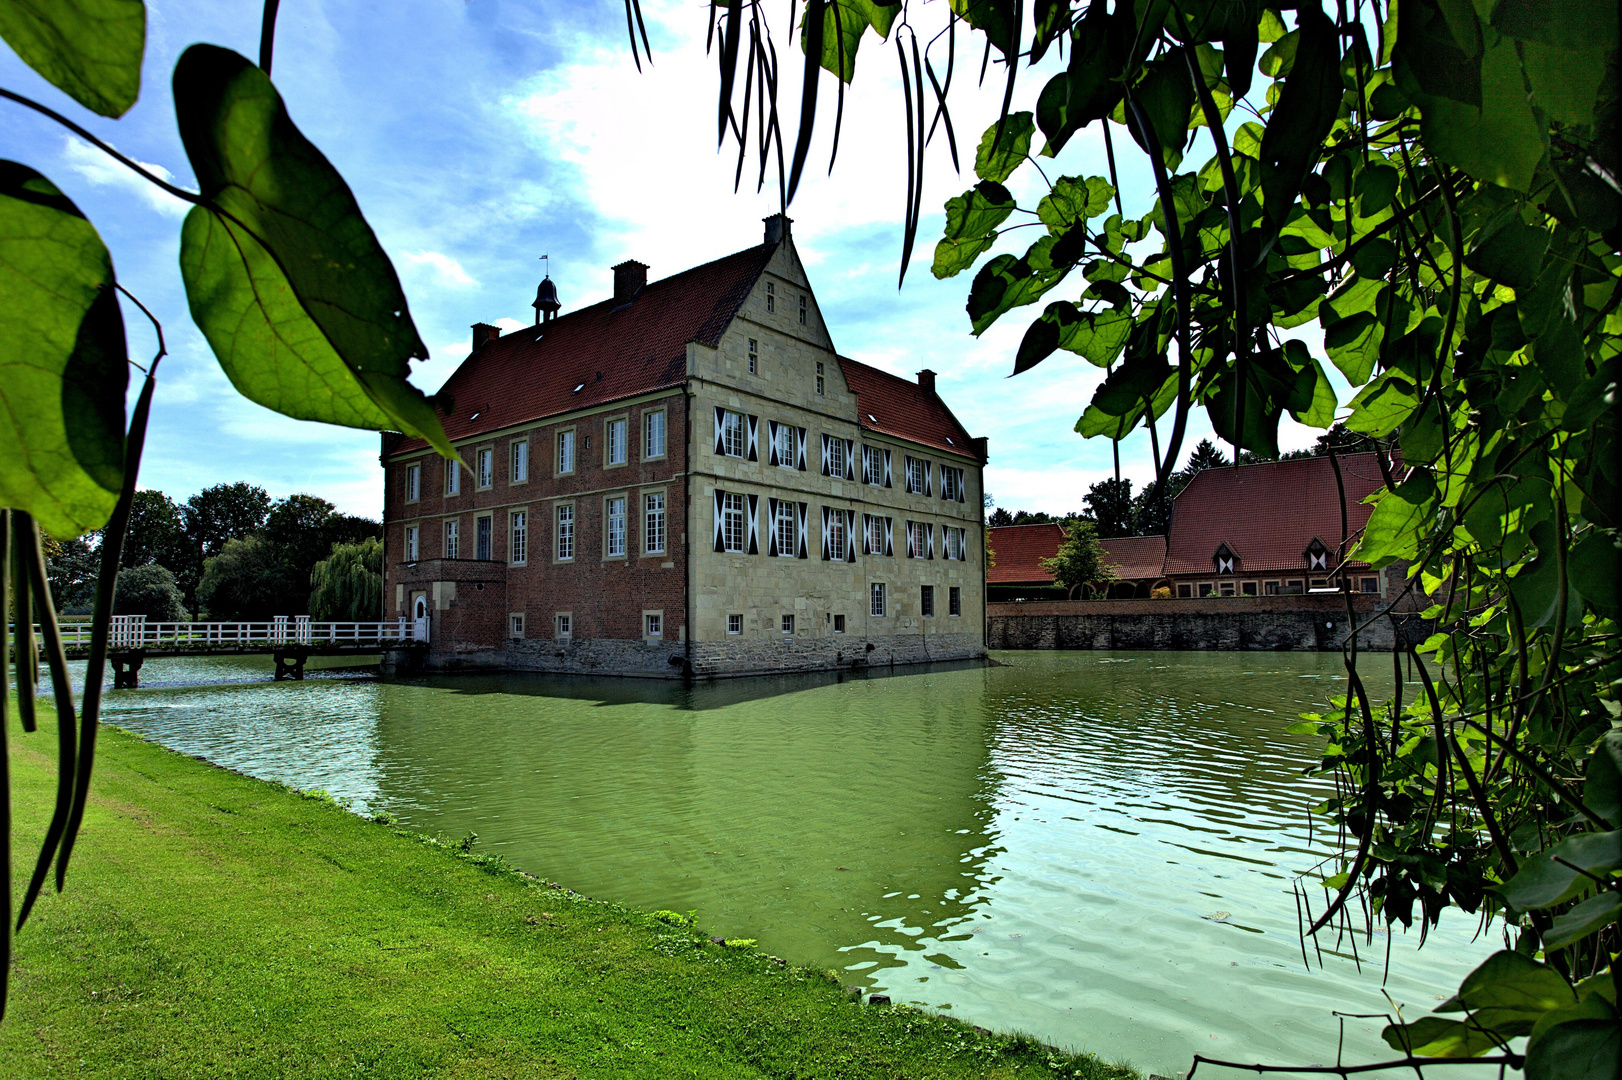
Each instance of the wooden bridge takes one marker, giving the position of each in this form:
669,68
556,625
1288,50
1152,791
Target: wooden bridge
289,639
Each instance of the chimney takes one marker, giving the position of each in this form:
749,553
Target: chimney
926,379
482,333
777,227
980,449
629,278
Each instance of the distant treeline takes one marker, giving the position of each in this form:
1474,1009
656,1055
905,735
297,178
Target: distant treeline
1115,511
231,552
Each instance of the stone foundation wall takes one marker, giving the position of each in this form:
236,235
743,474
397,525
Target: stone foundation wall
1276,623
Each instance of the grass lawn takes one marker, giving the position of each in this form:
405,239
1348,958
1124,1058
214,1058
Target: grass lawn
219,926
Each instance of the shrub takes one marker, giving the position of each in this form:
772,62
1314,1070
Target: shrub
151,591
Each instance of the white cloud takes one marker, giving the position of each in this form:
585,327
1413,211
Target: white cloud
439,269
103,171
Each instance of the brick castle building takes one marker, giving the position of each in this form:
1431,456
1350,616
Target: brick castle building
686,478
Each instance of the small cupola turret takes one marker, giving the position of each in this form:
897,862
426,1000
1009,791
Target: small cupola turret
546,301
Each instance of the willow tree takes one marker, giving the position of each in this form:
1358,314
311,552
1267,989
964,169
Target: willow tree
348,584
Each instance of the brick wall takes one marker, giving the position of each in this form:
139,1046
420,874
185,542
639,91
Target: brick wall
1305,623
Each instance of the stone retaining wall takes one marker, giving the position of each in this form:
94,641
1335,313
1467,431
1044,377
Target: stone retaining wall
1281,623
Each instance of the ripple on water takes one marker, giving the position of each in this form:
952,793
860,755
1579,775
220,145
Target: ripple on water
1095,848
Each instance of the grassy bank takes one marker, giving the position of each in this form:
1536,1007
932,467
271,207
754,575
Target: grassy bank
218,926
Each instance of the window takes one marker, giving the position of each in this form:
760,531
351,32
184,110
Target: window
566,532
563,624
653,523
411,543
954,601
653,624
754,357
804,308
453,539
1269,588
1185,591
732,522
486,467
875,534
1370,585
787,534
518,551
918,539
653,434
954,543
614,526
1247,588
926,599
515,624
734,624
872,465
1227,588
836,457
875,598
617,440
1207,589
1293,587
951,483
839,624
788,624
481,537
917,476
413,483
836,535
1321,583
785,447
819,377
453,477
771,298
520,461
565,461
732,441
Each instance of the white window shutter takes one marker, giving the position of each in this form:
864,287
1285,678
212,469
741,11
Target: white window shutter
771,442
825,552
929,531
720,541
720,430
850,459
850,536
825,439
867,471
889,536
962,496
909,540
771,526
799,449
754,431
887,468
929,472
754,524
804,553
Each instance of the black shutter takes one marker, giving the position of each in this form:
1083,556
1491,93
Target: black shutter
771,526
754,429
720,540
720,430
799,448
771,442
754,524
801,521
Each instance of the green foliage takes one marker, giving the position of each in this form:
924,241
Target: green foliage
244,581
89,49
1081,564
62,372
348,584
149,590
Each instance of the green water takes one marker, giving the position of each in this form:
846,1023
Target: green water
1093,847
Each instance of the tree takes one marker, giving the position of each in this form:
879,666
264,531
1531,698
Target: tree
348,584
148,590
1206,455
212,518
1000,518
1081,564
1151,513
156,532
71,567
1109,502
246,581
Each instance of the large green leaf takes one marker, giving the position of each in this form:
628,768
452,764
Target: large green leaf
1555,875
1437,1036
1602,784
62,361
996,159
1007,282
1086,90
1588,917
1074,199
1577,1050
89,49
1398,522
283,273
844,22
1506,996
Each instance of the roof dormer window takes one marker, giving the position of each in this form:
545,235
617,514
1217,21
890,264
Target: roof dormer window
1225,558
1317,555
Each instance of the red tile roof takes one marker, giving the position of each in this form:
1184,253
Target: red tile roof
608,351
1135,558
1018,550
1269,513
895,406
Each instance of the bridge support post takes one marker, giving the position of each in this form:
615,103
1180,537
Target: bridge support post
127,669
290,663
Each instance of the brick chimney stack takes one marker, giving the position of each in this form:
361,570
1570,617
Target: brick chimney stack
482,333
777,227
926,379
629,278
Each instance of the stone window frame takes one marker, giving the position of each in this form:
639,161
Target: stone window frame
653,624
664,521
515,625
518,536
1363,583
558,435
1227,587
1205,588
563,624
926,601
728,509
787,514
734,618
839,623
754,356
1252,586
792,461
625,527
608,441
788,624
954,601
413,543
1185,590
490,517
877,601
413,482
451,538
805,310
820,383
453,478
518,448
771,298
742,430
1270,588
558,533
481,456
664,433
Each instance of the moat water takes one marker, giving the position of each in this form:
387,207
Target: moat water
1096,848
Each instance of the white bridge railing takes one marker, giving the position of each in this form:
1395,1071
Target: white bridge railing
134,632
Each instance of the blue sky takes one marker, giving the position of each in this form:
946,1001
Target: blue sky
481,135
